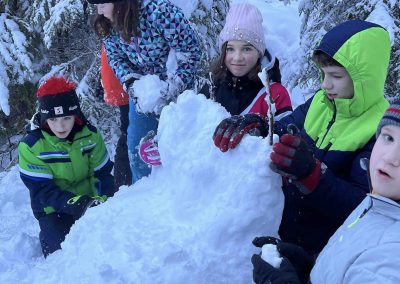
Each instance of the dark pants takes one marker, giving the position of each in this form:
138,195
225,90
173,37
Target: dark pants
122,169
53,229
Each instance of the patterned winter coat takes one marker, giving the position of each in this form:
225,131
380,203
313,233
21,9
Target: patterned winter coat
162,27
340,133
365,249
55,170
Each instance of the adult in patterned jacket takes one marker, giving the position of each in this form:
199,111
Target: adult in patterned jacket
323,140
142,34
63,162
235,82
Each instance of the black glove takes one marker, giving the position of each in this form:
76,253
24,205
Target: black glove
230,131
264,273
77,206
301,260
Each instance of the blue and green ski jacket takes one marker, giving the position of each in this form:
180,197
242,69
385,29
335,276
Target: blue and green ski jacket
55,170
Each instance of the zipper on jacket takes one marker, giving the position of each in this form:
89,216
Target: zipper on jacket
362,214
331,122
364,163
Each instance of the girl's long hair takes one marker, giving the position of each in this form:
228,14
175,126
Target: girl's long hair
125,20
102,26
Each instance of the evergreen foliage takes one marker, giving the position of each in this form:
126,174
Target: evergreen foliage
318,17
43,38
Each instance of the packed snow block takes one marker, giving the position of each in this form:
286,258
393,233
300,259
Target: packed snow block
191,221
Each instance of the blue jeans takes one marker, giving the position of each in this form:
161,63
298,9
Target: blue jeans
139,125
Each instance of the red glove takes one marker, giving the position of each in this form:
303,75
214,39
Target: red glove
292,158
231,130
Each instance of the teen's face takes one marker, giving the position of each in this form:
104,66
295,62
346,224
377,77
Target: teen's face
385,163
240,57
61,126
337,83
106,10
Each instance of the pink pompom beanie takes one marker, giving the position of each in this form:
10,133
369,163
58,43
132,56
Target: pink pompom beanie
244,22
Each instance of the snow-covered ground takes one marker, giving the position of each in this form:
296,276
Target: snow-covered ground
191,221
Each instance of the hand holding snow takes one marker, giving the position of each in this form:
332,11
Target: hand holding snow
148,92
270,254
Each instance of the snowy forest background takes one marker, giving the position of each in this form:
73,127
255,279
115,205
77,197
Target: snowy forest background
40,38
192,220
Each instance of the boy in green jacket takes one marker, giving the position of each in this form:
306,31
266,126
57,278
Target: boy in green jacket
64,163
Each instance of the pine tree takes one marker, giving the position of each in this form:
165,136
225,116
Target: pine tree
15,59
318,17
43,38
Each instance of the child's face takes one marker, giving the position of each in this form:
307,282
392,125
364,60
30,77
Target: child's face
61,126
337,83
106,10
240,57
385,163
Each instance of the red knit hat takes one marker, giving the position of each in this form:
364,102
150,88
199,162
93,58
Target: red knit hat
57,98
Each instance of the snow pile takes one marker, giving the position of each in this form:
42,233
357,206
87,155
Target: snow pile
148,93
191,221
270,254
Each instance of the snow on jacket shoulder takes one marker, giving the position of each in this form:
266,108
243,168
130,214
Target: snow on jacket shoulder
114,93
162,27
364,250
54,170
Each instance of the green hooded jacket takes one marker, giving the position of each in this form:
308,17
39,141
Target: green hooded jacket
348,124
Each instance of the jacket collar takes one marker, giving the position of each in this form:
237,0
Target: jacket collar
385,206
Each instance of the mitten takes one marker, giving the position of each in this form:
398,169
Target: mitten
293,159
148,150
301,260
264,273
230,131
77,205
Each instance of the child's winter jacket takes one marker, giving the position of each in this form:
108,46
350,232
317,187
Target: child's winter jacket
365,248
55,170
340,133
240,95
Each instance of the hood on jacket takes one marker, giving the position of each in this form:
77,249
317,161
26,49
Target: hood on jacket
363,48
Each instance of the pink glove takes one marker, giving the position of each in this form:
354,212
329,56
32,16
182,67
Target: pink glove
148,152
